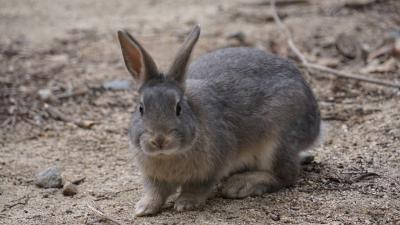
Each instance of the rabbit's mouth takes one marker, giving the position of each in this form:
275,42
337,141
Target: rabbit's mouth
167,151
151,150
170,146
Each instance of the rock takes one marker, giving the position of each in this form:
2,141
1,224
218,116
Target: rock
49,178
275,217
348,46
306,158
70,189
44,94
394,132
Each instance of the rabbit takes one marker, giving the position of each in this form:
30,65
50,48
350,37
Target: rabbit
239,116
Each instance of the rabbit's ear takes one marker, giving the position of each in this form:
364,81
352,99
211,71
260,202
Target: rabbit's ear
178,69
138,62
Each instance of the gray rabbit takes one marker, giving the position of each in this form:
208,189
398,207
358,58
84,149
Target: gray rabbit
238,116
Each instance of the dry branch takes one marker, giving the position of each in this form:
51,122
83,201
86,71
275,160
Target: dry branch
102,214
57,114
313,66
21,201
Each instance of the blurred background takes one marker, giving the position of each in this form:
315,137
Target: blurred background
66,100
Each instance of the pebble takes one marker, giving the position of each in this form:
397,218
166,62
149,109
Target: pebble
70,189
44,94
49,178
306,158
68,211
275,217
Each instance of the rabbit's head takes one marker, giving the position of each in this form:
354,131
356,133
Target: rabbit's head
163,121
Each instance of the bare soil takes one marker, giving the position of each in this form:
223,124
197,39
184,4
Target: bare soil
70,48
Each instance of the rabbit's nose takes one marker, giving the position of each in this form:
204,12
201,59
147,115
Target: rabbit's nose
158,142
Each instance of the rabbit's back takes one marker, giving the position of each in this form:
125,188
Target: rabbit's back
253,94
234,62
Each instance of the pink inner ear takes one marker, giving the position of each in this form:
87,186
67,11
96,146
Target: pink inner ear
135,59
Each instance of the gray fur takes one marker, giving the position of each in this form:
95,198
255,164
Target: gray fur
245,117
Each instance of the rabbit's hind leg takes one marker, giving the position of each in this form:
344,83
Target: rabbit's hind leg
276,168
250,183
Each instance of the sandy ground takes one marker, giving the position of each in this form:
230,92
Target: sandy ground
71,45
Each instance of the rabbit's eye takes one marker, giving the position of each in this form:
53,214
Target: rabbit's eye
178,109
141,110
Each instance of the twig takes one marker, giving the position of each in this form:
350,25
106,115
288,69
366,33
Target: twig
125,190
56,114
17,202
102,214
114,194
364,176
6,121
281,3
314,66
72,94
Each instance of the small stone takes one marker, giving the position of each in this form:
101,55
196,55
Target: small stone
275,217
44,94
306,158
68,211
49,178
70,189
348,46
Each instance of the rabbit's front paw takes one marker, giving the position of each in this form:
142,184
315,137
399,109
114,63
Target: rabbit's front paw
148,206
189,202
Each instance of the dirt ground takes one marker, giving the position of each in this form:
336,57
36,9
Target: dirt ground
70,48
